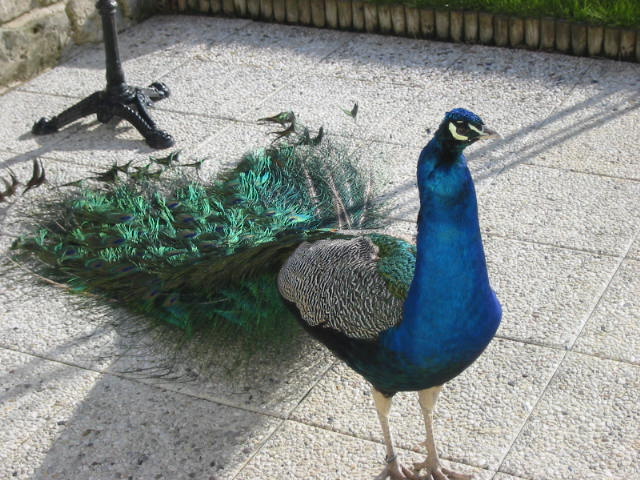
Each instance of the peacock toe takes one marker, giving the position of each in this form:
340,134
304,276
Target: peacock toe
396,471
437,472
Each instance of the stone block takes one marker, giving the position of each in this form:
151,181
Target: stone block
137,9
11,9
85,21
384,19
86,25
32,42
471,27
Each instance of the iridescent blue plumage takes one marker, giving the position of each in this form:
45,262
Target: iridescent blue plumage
450,313
463,115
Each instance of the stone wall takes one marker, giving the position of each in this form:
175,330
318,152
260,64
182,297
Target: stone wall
33,33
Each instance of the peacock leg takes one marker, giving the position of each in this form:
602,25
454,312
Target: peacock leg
394,469
427,399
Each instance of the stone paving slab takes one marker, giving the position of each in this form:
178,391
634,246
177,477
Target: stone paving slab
22,166
98,146
608,78
222,90
125,429
84,74
20,110
228,145
272,383
477,417
268,45
579,144
613,331
562,208
634,251
551,291
302,451
180,36
584,426
577,134
377,58
38,398
518,94
68,336
322,98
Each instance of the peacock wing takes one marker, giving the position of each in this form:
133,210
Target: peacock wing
349,285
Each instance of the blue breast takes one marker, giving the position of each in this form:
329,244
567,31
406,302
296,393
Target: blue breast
451,313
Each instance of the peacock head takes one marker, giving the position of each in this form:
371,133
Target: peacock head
462,128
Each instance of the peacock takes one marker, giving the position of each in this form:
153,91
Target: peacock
288,237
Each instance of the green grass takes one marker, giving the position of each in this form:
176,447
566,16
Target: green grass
601,12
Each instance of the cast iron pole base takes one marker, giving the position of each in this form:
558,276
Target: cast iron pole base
130,105
118,99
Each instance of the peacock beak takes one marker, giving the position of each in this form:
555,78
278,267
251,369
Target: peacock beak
488,133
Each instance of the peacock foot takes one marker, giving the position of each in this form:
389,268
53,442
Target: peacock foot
396,471
435,471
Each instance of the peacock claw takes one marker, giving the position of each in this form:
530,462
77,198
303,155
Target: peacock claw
437,472
396,471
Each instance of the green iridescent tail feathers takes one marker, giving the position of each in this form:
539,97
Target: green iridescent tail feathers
202,256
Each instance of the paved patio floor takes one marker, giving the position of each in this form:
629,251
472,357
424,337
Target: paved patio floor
556,395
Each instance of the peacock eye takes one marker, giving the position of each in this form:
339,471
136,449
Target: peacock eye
459,130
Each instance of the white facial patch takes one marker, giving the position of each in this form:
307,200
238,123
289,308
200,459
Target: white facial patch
454,132
479,132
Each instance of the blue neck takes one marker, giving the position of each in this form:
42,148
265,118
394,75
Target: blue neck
450,309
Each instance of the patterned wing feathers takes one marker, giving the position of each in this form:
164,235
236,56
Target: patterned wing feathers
336,284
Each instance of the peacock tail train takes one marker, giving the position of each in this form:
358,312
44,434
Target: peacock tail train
202,257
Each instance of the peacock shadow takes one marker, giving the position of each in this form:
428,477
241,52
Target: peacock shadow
157,411
111,396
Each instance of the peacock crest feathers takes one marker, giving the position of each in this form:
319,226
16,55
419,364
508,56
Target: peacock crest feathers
202,256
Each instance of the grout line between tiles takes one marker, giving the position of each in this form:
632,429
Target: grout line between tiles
579,172
586,317
545,120
525,241
258,449
559,348
132,379
315,383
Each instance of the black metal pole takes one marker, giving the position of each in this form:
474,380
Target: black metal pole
118,99
115,74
